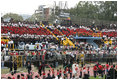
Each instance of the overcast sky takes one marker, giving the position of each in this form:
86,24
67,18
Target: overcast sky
28,6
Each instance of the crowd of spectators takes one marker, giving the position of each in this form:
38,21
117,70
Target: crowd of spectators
35,30
32,34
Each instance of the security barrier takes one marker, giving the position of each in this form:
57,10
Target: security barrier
90,34
96,35
19,60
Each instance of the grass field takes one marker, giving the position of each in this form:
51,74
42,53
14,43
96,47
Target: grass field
97,77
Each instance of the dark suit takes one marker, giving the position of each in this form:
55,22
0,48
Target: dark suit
48,77
15,67
39,68
29,68
11,65
112,73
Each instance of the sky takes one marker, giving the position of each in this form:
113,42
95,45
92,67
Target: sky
28,6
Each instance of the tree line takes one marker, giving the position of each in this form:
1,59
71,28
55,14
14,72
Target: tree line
98,10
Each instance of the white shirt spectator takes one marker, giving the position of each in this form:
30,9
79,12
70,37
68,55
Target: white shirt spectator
9,42
12,42
73,68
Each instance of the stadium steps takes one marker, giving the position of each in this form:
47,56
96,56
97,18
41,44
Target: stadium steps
52,33
67,40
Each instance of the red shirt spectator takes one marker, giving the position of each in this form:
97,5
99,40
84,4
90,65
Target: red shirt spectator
11,53
84,70
88,69
112,66
22,78
39,53
57,72
33,53
66,69
53,72
64,72
16,53
80,70
43,73
13,78
60,71
84,67
70,71
95,68
100,67
107,66
38,76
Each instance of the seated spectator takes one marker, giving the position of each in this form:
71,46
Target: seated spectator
73,77
36,77
9,77
70,71
18,76
44,74
60,72
29,76
49,76
22,76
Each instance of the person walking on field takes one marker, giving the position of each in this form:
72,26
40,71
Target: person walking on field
95,70
15,67
40,68
73,68
11,65
29,67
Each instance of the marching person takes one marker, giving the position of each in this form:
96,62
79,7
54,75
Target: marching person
40,68
11,65
15,66
76,69
70,71
112,72
53,73
95,70
60,72
80,72
100,71
88,70
73,68
29,67
107,67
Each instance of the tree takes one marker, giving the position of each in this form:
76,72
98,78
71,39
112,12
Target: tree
13,16
101,10
34,17
109,8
